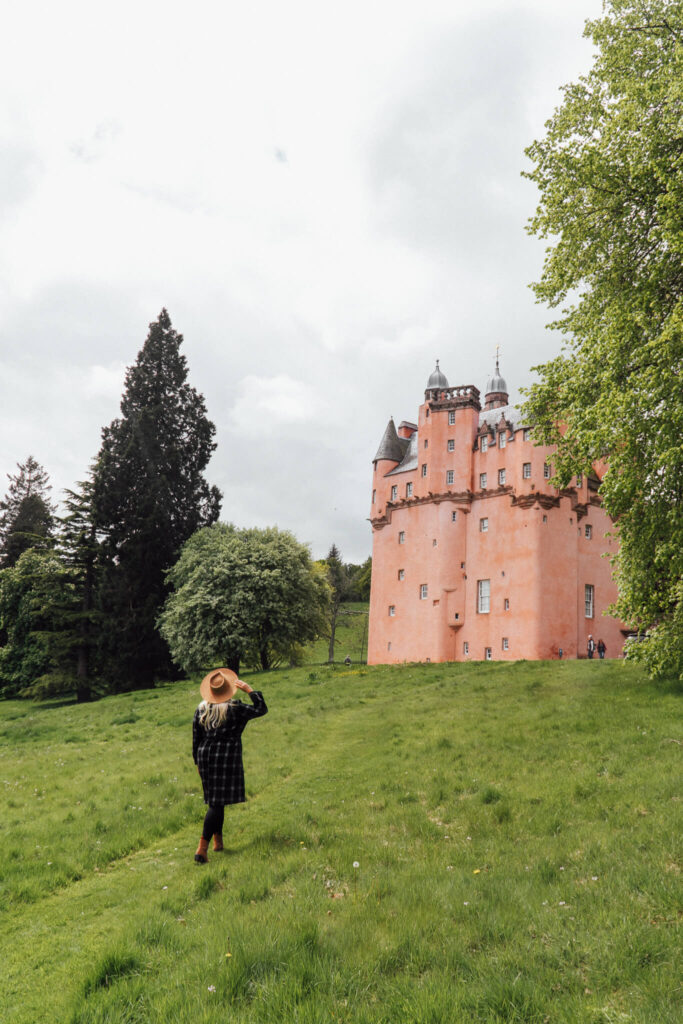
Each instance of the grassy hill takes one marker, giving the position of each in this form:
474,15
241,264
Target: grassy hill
516,830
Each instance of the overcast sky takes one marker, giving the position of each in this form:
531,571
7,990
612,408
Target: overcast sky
325,197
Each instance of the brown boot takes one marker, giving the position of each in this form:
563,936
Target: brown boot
200,855
217,842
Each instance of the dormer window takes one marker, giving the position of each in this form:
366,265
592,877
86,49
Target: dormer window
502,440
484,444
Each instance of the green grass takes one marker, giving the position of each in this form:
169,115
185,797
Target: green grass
351,636
516,826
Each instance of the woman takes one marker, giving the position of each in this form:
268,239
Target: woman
217,729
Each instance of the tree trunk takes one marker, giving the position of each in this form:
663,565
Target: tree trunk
233,663
265,658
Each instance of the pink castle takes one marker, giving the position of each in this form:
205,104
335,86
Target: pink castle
475,554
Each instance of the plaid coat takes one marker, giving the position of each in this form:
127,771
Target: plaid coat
218,752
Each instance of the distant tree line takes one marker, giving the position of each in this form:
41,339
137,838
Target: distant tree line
136,581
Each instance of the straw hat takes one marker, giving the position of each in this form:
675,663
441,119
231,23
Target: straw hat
218,686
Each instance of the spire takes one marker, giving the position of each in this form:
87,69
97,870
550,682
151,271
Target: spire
437,379
496,387
390,447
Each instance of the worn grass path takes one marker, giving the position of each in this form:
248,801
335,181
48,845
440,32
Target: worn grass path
517,830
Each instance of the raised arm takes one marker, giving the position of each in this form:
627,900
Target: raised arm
258,707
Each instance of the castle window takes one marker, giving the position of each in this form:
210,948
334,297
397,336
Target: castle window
449,476
423,591
374,495
526,470
483,526
488,654
465,648
402,537
506,644
484,444
394,493
501,477
546,471
434,543
409,490
526,434
454,517
389,646
392,609
506,604
482,481
502,440
401,574
589,531
424,469
451,418
451,445
483,596
589,600
545,519
426,444
579,480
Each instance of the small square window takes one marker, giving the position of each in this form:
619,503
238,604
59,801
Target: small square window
501,478
424,469
506,604
434,543
394,493
454,517
526,434
502,440
402,537
589,595
423,591
483,526
589,531
465,648
409,490
401,574
506,644
392,610
526,470
451,445
488,654
449,476
482,481
546,471
484,444
451,418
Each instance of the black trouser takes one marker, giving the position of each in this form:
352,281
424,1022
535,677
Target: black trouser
213,822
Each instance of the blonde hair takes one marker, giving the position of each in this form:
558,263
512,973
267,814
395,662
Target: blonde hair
211,716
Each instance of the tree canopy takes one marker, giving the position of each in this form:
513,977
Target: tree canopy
26,512
242,595
149,496
610,175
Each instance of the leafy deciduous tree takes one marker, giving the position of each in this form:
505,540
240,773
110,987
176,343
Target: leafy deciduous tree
242,595
610,175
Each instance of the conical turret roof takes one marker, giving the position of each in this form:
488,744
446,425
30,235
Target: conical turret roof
391,446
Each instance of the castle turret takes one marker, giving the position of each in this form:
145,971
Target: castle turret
390,447
496,390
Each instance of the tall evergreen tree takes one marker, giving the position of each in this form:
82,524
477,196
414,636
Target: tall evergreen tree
26,512
80,549
339,583
150,496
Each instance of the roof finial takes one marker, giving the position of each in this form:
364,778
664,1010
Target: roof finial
497,355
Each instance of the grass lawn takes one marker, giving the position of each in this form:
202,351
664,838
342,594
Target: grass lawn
350,640
516,829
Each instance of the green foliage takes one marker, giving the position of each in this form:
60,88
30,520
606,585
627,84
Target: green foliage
559,901
149,496
610,174
36,602
26,513
242,595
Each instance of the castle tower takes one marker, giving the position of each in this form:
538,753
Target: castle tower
475,553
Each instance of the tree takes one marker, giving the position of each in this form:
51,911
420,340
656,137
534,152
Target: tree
26,512
242,595
36,604
149,497
610,174
339,584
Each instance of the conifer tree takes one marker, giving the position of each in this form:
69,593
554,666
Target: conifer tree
80,549
26,512
150,496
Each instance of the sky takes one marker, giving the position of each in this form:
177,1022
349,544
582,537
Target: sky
325,197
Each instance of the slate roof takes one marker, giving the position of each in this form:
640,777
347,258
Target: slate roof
391,446
409,460
508,412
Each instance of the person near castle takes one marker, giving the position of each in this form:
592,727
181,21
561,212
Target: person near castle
591,645
601,649
217,729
